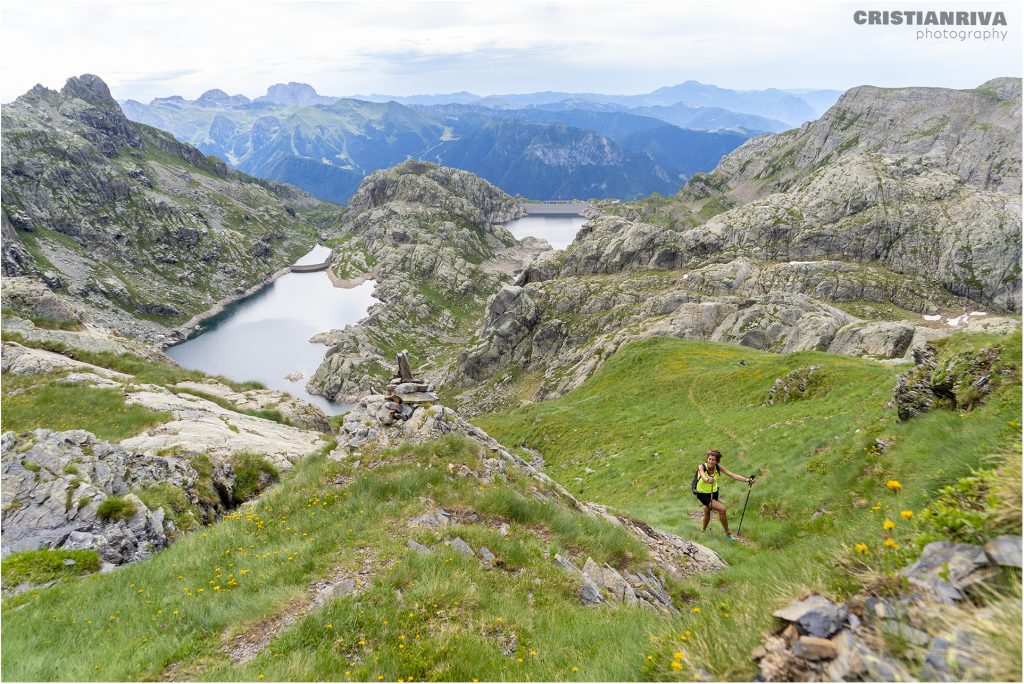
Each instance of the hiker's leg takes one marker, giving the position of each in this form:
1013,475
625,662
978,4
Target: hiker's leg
707,518
720,507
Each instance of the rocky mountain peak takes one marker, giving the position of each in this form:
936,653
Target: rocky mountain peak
213,94
90,88
292,93
425,183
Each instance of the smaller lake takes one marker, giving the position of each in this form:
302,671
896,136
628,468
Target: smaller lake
557,230
266,336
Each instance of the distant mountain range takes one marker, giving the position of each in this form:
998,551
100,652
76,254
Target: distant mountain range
540,145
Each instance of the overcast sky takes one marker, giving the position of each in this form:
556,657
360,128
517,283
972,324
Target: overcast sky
147,48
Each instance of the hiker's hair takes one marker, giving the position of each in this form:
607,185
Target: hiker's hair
716,453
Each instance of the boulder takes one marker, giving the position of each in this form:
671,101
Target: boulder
814,648
1004,550
882,339
461,547
815,615
946,569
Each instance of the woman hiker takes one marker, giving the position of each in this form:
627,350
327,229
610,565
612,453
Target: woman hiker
707,489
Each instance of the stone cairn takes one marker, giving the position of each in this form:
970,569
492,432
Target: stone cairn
404,393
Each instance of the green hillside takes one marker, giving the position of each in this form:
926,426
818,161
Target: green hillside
643,422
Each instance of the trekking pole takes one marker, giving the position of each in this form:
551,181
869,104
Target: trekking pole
749,487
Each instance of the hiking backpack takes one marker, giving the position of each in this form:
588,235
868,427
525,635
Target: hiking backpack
693,485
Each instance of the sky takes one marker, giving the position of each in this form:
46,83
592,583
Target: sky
149,48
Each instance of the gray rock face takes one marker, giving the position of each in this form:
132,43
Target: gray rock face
947,569
54,483
881,339
971,133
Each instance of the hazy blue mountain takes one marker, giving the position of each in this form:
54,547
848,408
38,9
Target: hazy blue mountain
301,94
712,119
680,152
552,161
328,149
791,107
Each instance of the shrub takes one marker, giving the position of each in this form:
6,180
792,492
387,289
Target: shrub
116,508
252,475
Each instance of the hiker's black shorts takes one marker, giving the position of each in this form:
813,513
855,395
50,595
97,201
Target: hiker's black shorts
705,499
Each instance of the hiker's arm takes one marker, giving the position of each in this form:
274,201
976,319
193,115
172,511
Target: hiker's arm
738,478
702,471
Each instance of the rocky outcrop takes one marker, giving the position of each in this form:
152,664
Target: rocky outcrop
973,134
54,484
30,298
432,235
793,386
957,381
895,217
139,229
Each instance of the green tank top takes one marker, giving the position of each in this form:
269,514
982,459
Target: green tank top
705,488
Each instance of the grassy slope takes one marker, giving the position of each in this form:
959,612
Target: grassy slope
644,420
168,615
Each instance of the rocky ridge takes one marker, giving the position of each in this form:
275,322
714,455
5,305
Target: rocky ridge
143,231
973,134
895,222
432,239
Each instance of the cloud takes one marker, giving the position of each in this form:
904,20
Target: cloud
149,48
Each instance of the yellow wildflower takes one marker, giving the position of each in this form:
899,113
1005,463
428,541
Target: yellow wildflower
574,669
676,665
861,548
678,655
894,485
907,515
696,609
891,543
888,524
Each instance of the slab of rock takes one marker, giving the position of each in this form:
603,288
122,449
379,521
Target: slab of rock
816,615
201,425
20,360
945,569
1005,551
461,547
435,517
814,648
884,339
294,410
416,546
